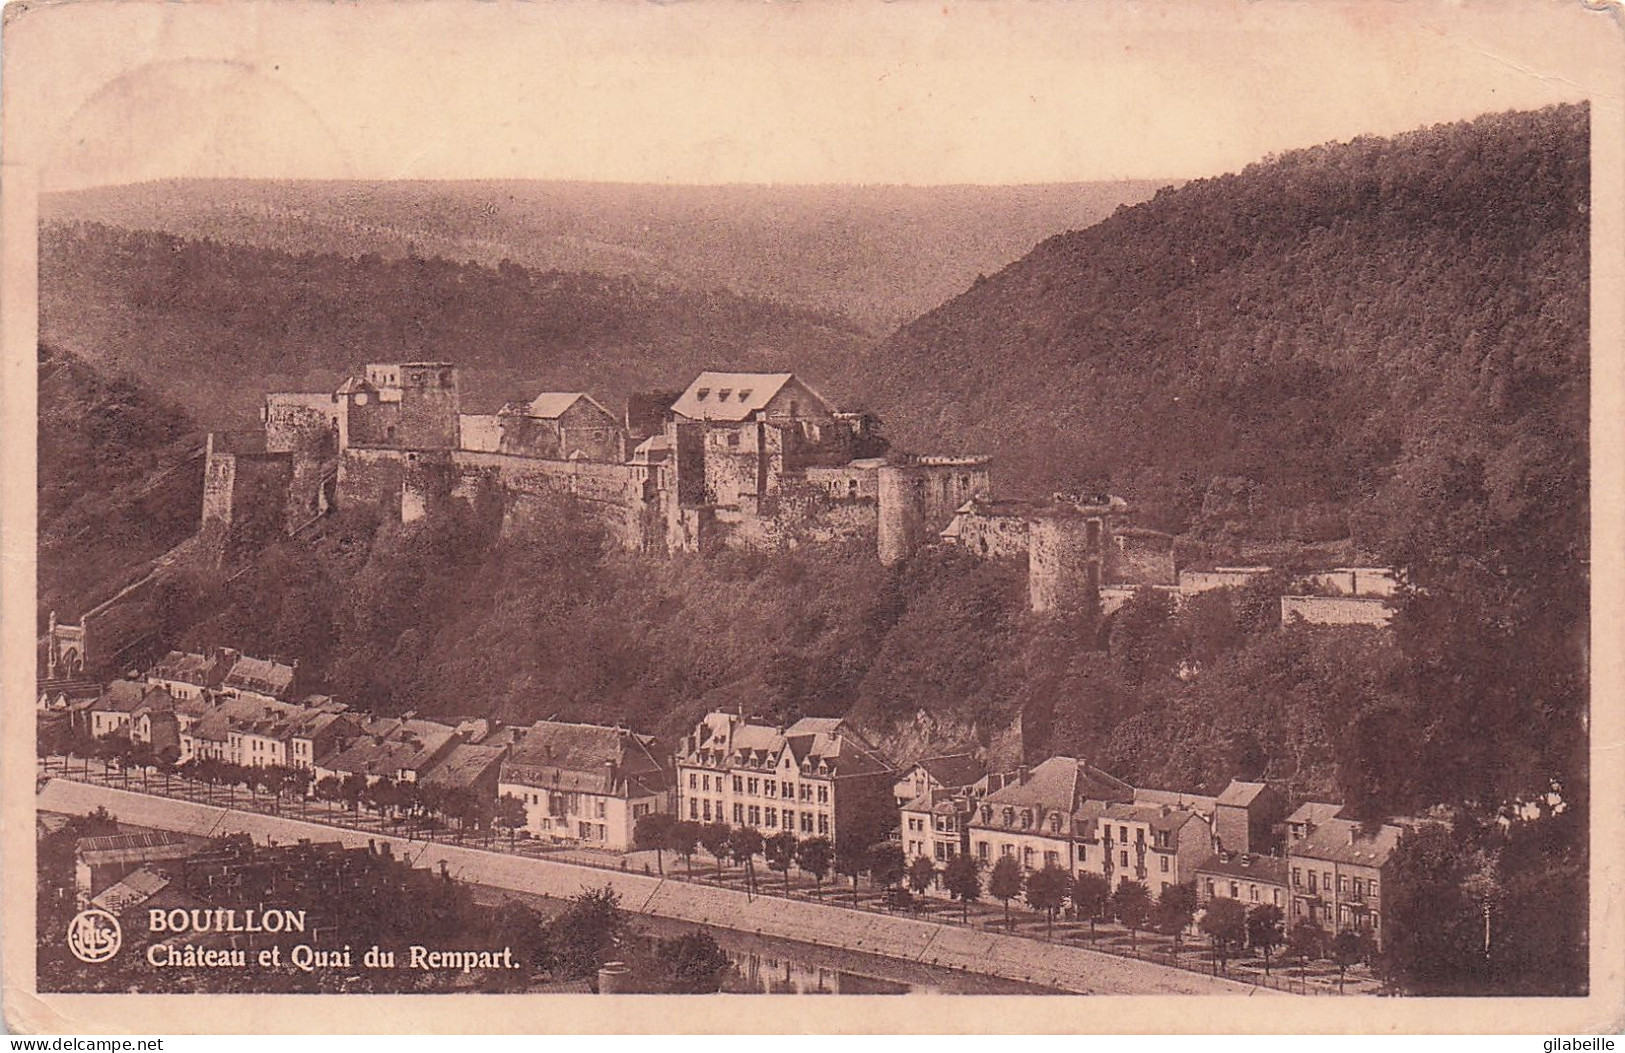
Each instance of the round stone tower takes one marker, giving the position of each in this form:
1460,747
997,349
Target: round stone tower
900,513
1063,561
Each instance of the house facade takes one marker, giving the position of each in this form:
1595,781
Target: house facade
114,710
584,782
1039,816
1251,880
1156,845
937,798
1247,818
1338,874
816,778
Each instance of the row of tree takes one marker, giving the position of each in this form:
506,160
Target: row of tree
422,806
1228,925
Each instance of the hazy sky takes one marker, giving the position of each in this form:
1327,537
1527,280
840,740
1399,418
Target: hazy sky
718,92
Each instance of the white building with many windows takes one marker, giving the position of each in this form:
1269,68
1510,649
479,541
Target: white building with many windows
1038,817
816,778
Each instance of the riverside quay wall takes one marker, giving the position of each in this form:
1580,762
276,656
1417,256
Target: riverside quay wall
1072,969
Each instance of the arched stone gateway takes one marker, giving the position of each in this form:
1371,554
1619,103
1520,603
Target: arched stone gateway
65,649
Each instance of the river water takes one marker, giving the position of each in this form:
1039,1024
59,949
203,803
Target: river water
768,965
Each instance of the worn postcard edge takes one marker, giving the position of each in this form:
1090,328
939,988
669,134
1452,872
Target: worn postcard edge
29,1012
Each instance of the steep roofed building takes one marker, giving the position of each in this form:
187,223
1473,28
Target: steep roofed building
263,678
113,711
585,782
816,778
186,675
1037,817
405,752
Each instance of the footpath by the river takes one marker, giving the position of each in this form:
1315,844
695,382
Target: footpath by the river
1067,968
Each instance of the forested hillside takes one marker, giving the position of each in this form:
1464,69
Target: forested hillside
876,254
214,326
120,481
1307,324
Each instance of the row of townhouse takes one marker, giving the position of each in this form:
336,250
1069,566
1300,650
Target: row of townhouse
1333,873
1240,844
235,709
1069,814
179,692
818,777
578,782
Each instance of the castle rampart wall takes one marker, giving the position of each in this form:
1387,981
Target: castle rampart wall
1141,557
995,536
1336,610
298,420
801,513
619,495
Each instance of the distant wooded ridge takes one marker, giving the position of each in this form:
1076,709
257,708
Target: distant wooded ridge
878,255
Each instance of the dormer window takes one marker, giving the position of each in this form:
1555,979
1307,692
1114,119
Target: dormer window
1055,824
699,396
987,813
1009,817
723,393
744,393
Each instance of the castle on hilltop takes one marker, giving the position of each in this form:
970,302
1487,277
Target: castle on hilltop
736,460
755,461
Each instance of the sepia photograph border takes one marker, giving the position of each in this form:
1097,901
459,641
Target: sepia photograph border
1596,64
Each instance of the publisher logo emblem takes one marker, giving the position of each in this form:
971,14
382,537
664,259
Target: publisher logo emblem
94,935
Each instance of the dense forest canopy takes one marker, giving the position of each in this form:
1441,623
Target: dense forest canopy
876,254
214,325
1312,324
120,481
